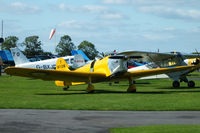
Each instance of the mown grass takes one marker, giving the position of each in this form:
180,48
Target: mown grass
26,93
159,129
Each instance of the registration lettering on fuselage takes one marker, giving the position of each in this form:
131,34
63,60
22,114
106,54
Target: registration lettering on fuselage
45,66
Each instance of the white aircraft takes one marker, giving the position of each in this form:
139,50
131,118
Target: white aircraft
163,60
20,60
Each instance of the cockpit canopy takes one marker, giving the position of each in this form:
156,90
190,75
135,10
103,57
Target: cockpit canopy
117,65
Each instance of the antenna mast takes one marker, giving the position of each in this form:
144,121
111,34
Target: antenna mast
1,38
2,30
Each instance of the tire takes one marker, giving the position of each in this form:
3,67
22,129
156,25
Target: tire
66,88
176,84
191,84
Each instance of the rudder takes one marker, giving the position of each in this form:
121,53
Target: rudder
18,56
61,64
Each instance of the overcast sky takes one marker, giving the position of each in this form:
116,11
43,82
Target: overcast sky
147,25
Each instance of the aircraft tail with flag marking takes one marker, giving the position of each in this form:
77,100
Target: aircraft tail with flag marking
18,56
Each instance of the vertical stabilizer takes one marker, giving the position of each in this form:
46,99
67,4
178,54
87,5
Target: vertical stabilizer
18,56
62,65
74,52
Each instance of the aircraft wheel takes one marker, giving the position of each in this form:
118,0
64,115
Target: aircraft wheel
90,88
176,84
191,84
92,91
116,82
66,88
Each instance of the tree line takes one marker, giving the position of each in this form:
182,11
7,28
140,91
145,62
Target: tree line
33,46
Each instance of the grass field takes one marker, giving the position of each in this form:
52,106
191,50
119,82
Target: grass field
159,129
18,92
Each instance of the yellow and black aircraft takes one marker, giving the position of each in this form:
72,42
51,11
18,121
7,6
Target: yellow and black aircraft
106,69
166,60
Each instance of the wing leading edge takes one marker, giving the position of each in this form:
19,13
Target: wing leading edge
144,73
155,56
70,76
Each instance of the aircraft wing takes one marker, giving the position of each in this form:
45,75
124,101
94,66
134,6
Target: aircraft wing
80,76
149,72
190,56
149,56
44,74
155,56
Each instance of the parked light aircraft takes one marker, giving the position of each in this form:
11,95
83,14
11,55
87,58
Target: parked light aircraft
160,60
21,61
106,69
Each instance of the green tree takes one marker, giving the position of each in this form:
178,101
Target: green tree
32,46
65,46
10,42
89,49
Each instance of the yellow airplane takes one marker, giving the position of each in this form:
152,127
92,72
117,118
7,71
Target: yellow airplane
164,60
106,69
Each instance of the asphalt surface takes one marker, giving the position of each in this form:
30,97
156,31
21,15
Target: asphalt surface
75,121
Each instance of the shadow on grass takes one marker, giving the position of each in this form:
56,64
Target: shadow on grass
127,84
84,92
116,92
180,88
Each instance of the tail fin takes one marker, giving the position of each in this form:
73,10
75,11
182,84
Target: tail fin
62,65
78,61
18,56
74,52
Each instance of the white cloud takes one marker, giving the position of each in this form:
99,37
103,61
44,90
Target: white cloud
95,8
19,8
65,7
83,8
169,29
196,30
156,37
175,9
71,24
172,12
112,16
76,25
115,1
166,3
101,11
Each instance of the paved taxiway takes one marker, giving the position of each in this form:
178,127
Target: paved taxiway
75,121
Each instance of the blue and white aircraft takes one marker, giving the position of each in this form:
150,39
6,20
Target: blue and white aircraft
20,60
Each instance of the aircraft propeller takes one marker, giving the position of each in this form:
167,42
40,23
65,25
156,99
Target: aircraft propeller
197,59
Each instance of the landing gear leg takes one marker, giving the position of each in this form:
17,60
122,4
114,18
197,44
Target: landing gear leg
191,84
90,88
66,88
132,87
176,84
